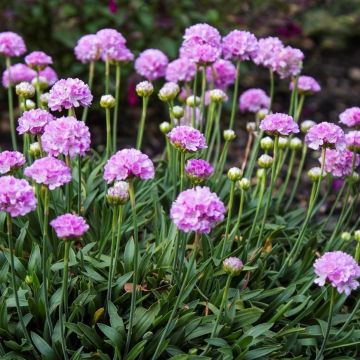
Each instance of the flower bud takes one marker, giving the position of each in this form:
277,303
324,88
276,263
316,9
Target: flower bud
262,113
296,144
229,135
169,91
357,235
314,174
217,96
118,194
233,266
29,279
44,99
178,112
29,105
25,90
43,83
165,127
267,143
144,89
260,173
34,149
265,161
345,236
354,177
107,101
306,125
283,142
193,101
251,126
244,184
234,174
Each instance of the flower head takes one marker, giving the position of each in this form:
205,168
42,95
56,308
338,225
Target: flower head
306,85
267,50
18,73
151,64
69,226
169,91
288,62
339,162
16,196
49,75
118,194
339,269
88,48
279,124
112,44
197,209
222,74
352,140
254,100
239,45
233,265
128,163
325,134
10,161
11,44
187,138
34,121
38,60
351,117
144,88
180,70
198,170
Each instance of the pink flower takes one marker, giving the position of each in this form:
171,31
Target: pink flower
88,48
66,136
10,161
128,163
288,62
49,75
197,209
198,170
18,74
69,93
11,44
49,171
180,69
151,64
69,226
352,140
279,124
222,74
34,121
112,45
325,134
350,117
267,51
306,85
38,60
239,45
339,269
16,196
253,100
339,162
187,138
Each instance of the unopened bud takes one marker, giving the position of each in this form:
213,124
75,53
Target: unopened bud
229,135
118,194
314,174
178,112
107,101
265,161
357,235
262,113
234,174
283,142
244,184
267,143
233,266
34,149
296,144
345,236
44,99
260,173
144,89
217,96
193,101
165,127
251,126
306,125
25,90
169,91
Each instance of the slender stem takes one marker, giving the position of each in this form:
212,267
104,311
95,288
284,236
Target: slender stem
209,123
116,109
193,114
90,83
228,219
11,105
299,108
38,90
108,133
79,185
182,168
107,76
240,212
293,96
253,155
214,134
142,122
68,187
202,99
222,160
272,87
235,96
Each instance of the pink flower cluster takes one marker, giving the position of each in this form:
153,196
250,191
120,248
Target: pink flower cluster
151,64
16,196
279,124
187,138
221,73
198,170
88,49
339,162
34,121
352,140
49,171
11,44
339,269
18,74
197,209
69,226
180,70
350,117
239,45
288,62
10,161
66,136
268,48
306,85
325,134
38,60
254,100
128,163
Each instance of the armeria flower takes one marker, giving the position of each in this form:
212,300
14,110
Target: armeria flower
279,124
49,75
233,266
169,91
339,269
288,62
239,45
112,43
187,138
151,64
88,48
180,70
118,194
350,117
198,170
38,60
339,162
34,121
222,74
66,136
69,226
217,96
197,209
326,135
254,100
306,85
267,50
16,196
352,140
49,171
128,163
18,74
10,161
69,93
11,44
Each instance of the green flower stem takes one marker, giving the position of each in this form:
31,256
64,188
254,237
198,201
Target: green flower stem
107,76
79,186
182,169
235,96
202,98
253,155
293,97
116,108
240,212
214,134
280,162
11,106
356,307
222,160
68,187
142,122
38,137
90,83
228,219
38,90
108,133
272,89
299,108
193,114
209,122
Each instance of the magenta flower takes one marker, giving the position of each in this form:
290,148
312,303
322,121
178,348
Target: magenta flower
253,100
221,73
112,45
288,62
151,64
339,162
69,93
38,60
198,170
128,163
180,70
279,124
10,161
197,209
350,117
34,121
49,75
11,44
352,140
339,269
239,45
18,74
325,134
306,85
66,136
267,51
69,226
49,171
187,138
16,196
88,48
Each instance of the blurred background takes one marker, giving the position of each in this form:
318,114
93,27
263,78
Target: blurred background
327,31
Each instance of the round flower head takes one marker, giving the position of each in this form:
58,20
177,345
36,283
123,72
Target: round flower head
187,139
253,100
239,45
128,163
279,124
49,75
306,85
151,64
38,60
10,161
339,162
88,48
339,269
49,171
25,90
69,226
198,170
16,196
288,62
111,43
233,266
11,44
66,136
169,91
197,209
18,74
180,70
69,93
34,122
325,134
350,117
144,88
222,74
217,96
352,140
267,50
118,194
